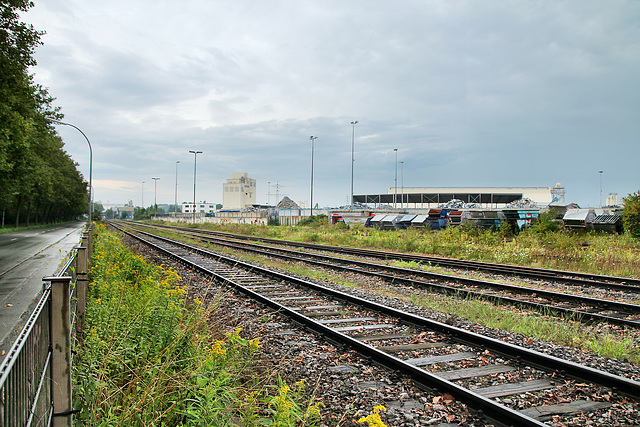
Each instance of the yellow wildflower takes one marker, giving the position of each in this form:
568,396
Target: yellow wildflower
374,419
218,348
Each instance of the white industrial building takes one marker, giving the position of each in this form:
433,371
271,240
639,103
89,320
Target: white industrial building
239,192
487,197
201,207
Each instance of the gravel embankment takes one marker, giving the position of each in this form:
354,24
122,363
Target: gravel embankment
350,387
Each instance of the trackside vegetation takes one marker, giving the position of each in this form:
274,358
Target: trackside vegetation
631,214
150,359
542,245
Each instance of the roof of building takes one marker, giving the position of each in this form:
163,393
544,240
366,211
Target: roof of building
286,202
438,198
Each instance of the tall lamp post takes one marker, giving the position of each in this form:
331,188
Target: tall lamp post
395,182
175,194
142,197
402,184
600,172
90,164
195,161
353,158
155,197
312,138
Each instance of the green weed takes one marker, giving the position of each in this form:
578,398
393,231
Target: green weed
149,358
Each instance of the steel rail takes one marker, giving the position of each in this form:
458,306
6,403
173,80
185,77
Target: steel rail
540,360
577,278
574,314
500,413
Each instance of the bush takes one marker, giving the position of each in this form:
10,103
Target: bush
273,220
545,223
631,214
314,220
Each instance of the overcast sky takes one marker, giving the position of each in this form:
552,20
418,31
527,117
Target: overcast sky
472,94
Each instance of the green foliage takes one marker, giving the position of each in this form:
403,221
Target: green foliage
545,223
286,410
631,214
314,221
273,220
39,181
537,246
506,229
562,331
149,359
141,213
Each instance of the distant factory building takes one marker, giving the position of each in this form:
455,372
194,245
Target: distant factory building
201,207
432,197
239,192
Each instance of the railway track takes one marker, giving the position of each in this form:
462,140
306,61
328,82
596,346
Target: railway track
571,306
433,354
570,277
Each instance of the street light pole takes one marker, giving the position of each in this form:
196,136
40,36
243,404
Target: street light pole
353,158
175,194
195,161
142,201
402,184
90,164
155,197
395,181
312,138
600,172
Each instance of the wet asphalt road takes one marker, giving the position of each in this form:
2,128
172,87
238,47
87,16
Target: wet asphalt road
25,258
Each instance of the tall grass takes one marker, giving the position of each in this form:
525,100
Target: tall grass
561,331
592,252
150,359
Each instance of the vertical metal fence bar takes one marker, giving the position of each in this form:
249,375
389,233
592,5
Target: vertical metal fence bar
35,375
22,368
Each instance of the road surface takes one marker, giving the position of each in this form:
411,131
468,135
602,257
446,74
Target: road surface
25,258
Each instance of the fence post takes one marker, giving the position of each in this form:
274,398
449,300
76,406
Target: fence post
61,350
82,281
89,246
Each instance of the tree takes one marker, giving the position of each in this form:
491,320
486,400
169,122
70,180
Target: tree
39,180
141,213
110,213
631,214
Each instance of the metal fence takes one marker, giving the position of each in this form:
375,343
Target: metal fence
35,375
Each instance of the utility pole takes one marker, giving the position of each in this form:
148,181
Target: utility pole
395,182
195,162
155,197
175,194
353,156
312,138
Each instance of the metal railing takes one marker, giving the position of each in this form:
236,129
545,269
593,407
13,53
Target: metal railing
35,375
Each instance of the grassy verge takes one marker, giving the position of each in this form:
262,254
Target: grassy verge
598,253
560,331
149,358
5,230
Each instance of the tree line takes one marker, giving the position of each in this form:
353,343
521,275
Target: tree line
39,182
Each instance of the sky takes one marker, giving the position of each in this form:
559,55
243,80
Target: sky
471,94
